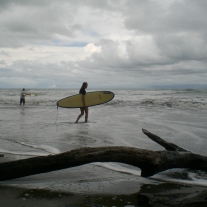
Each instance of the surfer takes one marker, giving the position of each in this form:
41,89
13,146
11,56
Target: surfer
85,108
22,96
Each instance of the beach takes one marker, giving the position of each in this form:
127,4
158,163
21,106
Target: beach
84,186
40,129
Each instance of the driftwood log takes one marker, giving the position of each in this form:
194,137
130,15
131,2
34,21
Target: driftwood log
150,162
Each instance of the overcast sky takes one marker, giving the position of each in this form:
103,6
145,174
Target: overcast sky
108,43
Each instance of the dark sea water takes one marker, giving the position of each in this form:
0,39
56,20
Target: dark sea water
38,128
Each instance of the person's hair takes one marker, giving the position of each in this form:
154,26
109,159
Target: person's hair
84,85
23,89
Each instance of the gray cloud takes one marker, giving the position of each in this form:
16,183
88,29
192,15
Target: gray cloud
140,43
166,17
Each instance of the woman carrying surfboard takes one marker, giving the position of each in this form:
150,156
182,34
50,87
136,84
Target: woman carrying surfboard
85,108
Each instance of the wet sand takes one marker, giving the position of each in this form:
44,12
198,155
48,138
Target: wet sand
18,197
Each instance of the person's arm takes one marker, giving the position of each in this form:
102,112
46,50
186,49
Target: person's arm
23,95
84,100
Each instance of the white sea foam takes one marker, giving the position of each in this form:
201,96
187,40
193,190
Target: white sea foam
23,153
192,177
193,180
49,149
122,168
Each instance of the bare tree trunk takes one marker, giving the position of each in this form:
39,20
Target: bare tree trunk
150,162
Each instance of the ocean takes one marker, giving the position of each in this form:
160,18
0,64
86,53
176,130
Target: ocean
40,128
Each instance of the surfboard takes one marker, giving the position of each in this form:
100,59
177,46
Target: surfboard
91,98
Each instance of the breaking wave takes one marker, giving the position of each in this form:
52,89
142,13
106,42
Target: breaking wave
182,99
174,103
181,104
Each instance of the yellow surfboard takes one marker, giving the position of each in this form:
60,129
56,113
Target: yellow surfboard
91,98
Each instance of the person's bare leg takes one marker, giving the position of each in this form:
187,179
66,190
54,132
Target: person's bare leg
86,116
80,115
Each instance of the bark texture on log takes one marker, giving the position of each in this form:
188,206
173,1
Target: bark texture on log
167,145
150,162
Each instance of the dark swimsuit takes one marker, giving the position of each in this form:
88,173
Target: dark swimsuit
82,91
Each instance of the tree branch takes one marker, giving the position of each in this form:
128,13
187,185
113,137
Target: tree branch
168,146
150,162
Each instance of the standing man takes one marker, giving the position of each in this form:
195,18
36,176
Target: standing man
22,96
84,108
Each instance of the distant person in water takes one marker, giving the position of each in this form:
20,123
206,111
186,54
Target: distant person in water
22,96
84,108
